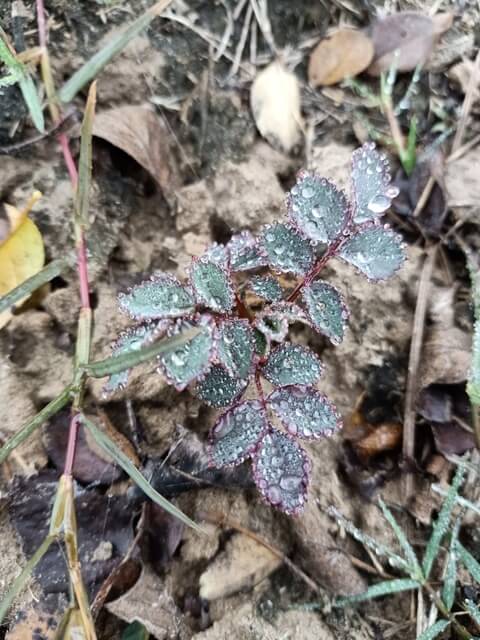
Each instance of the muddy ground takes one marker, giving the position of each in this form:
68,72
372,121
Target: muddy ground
210,175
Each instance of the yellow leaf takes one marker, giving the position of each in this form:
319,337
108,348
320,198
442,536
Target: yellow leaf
22,253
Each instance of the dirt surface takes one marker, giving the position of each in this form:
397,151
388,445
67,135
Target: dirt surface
151,211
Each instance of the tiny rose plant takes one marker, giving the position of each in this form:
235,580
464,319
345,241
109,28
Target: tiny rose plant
238,351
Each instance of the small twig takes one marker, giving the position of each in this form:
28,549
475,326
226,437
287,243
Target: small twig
467,105
224,521
56,128
413,364
425,195
241,43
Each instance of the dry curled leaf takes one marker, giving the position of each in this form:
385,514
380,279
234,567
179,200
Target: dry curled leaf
275,103
461,73
344,54
22,253
141,134
405,39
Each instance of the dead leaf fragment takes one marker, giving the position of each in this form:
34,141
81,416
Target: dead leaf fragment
34,622
149,603
405,39
275,103
242,565
139,132
461,73
463,185
344,54
450,438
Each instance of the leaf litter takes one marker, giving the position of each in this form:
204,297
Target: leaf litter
363,351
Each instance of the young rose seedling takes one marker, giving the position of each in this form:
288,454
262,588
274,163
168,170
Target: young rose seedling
236,347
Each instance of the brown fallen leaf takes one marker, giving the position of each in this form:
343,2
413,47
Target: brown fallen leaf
461,73
405,39
139,132
149,603
243,564
90,463
275,103
463,185
344,54
450,438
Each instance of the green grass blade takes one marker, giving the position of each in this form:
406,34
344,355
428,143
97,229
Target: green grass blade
82,197
434,631
30,95
20,581
471,564
377,547
473,610
51,271
92,67
409,158
49,410
412,560
117,364
442,523
460,500
27,86
450,572
127,465
381,589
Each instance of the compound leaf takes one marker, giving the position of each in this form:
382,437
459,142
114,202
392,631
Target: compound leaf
281,469
190,361
292,364
434,631
304,412
317,207
162,296
218,388
326,309
380,589
266,287
236,347
375,251
211,284
237,433
245,252
132,340
440,527
372,193
287,250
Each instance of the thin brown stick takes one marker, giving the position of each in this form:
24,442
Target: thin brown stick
467,105
222,520
413,363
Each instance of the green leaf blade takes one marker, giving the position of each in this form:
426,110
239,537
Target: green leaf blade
385,588
130,469
441,525
434,631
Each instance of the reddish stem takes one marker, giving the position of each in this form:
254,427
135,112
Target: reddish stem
69,161
42,25
318,266
72,445
81,245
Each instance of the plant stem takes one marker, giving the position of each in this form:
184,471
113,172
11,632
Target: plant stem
71,446
459,628
319,265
